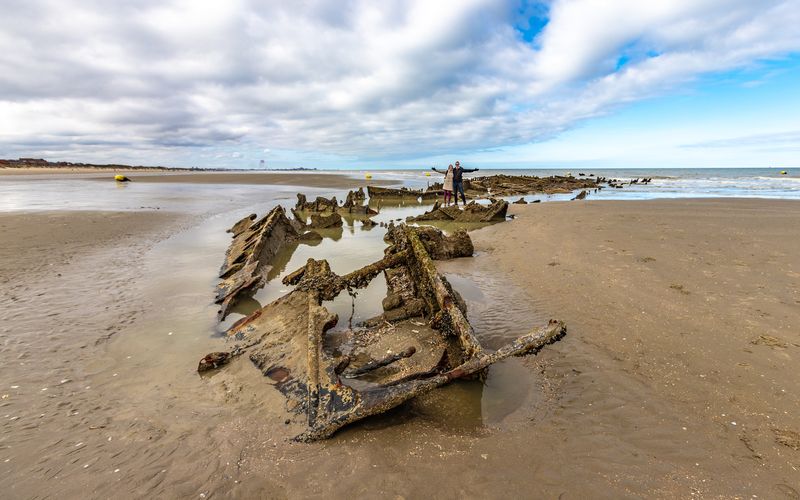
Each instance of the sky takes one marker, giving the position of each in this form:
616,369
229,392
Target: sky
354,84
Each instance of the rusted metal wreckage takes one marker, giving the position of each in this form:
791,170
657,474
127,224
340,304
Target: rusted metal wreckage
422,340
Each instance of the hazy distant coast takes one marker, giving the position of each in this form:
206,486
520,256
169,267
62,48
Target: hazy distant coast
44,166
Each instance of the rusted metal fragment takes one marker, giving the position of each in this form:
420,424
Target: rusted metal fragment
581,196
287,335
397,351
440,246
375,364
377,192
457,324
472,212
317,275
353,204
320,204
322,221
213,360
242,225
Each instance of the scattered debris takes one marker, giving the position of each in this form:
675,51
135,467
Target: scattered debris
213,360
521,201
678,287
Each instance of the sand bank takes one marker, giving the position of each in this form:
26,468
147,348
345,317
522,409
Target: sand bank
314,179
679,371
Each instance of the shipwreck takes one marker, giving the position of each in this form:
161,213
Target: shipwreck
421,341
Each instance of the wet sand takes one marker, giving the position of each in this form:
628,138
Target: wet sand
288,178
37,243
679,373
663,301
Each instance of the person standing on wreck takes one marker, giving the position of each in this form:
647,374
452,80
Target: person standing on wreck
447,185
458,181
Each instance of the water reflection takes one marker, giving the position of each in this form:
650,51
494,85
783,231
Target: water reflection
246,306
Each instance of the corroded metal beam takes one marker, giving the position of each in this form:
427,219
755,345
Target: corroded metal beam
381,399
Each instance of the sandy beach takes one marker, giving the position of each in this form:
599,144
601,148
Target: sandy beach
678,370
676,376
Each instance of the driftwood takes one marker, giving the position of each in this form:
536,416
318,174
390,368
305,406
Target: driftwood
422,341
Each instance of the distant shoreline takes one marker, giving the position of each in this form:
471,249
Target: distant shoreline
38,163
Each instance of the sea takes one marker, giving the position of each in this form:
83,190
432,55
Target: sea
93,192
666,182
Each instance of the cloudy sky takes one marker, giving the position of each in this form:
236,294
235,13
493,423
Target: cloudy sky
393,83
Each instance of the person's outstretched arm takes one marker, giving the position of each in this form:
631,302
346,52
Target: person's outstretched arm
437,170
468,170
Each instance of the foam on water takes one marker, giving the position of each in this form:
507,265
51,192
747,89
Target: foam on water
666,182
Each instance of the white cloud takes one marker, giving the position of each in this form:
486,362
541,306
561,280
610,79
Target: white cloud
392,79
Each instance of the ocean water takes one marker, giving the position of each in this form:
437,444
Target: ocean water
76,192
666,183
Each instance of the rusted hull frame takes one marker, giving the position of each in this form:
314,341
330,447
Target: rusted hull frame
248,257
327,403
461,327
379,400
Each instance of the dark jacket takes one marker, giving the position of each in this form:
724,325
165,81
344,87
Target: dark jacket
458,172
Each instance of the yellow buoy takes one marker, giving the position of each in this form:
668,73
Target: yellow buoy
368,176
121,178
427,174
784,172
